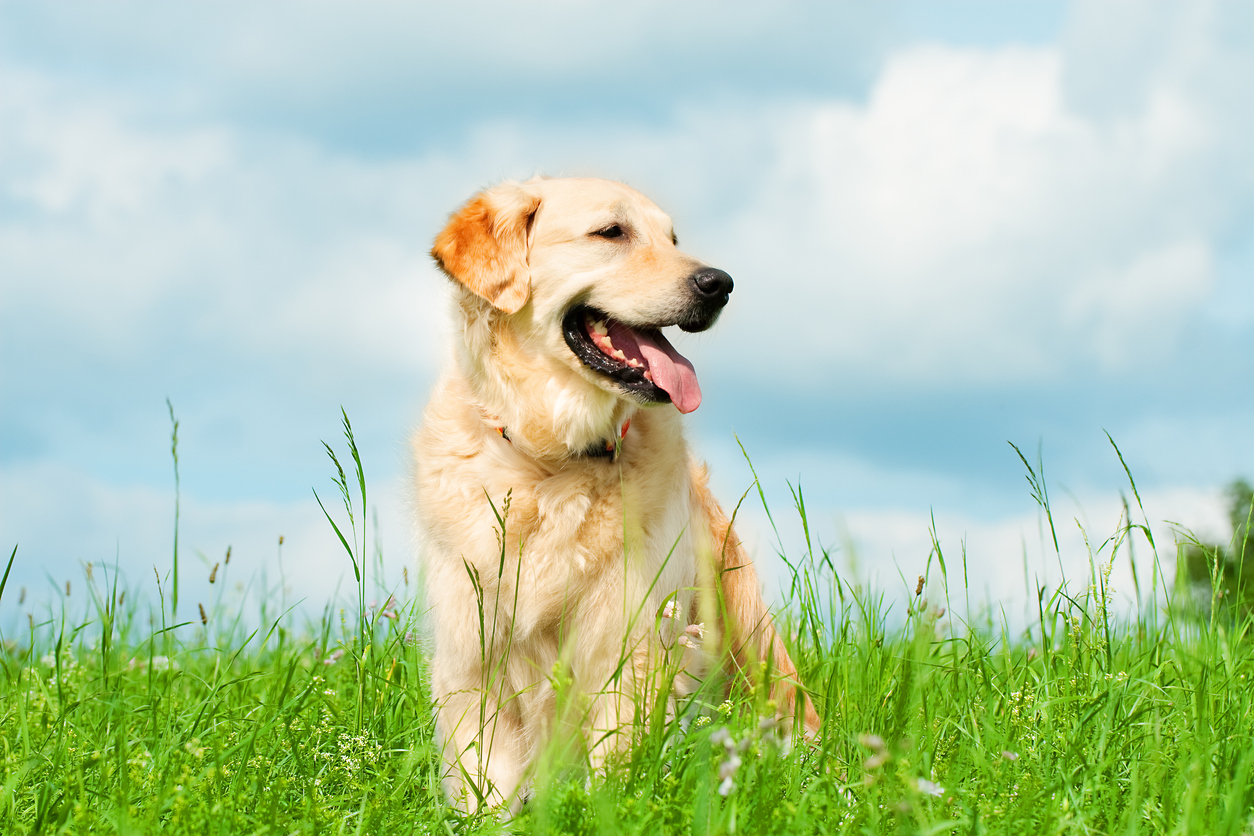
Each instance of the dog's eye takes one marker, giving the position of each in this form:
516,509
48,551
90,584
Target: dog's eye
611,231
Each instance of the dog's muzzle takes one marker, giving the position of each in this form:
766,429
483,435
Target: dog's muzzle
637,357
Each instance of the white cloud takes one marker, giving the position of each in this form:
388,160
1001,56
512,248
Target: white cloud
967,225
119,233
1127,310
79,158
984,217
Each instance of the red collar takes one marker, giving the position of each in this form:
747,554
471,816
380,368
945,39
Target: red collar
605,449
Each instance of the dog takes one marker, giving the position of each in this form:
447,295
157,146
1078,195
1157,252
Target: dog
569,542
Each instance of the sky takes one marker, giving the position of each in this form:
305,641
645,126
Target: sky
951,226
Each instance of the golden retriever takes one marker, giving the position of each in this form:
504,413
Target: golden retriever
569,542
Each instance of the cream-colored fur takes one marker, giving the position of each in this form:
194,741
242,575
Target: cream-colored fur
548,570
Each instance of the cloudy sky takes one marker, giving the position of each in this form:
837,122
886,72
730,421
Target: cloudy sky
951,225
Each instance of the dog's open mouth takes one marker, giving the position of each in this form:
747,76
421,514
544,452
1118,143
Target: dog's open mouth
640,360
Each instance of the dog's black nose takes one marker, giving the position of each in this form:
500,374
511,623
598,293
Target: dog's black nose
712,283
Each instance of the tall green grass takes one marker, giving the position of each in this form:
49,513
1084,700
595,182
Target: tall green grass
117,718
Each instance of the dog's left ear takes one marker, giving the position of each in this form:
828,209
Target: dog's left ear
484,246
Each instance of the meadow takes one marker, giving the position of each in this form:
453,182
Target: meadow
121,711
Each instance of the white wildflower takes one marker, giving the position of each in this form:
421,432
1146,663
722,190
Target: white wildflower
875,761
872,741
929,788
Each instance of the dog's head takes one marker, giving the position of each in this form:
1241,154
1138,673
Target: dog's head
581,276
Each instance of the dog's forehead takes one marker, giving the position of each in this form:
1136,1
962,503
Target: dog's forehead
579,200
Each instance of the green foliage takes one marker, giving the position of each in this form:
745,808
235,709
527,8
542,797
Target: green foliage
1219,579
1087,722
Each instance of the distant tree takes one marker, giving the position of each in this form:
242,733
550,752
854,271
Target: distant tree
1222,574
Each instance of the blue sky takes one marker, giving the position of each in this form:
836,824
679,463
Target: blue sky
951,225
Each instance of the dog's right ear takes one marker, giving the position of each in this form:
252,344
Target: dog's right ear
484,246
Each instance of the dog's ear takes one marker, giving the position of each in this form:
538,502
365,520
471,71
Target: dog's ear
484,246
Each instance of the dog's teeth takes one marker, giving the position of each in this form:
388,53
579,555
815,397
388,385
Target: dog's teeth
618,355
600,327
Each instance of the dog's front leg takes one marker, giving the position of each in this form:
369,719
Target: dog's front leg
483,739
617,684
633,685
483,742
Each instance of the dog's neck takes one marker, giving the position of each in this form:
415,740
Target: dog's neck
547,410
553,421
608,448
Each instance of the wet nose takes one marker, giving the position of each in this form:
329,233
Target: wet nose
713,284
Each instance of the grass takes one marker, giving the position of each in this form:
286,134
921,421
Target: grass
116,719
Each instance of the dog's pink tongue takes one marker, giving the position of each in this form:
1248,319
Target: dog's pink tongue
671,371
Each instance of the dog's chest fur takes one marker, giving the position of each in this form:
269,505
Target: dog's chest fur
571,530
